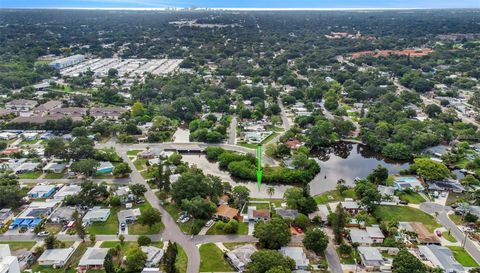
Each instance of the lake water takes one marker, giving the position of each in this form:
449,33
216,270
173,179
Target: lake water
348,161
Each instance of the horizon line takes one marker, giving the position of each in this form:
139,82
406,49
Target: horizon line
235,9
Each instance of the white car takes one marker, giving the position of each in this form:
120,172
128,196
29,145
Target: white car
209,223
184,220
43,234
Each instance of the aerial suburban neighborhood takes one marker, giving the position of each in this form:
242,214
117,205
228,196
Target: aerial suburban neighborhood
197,140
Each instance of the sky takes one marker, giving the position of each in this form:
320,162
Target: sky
245,4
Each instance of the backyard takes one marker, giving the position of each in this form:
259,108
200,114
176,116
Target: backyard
412,197
334,196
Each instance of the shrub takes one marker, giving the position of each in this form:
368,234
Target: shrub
143,240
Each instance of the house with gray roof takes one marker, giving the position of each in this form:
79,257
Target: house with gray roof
56,257
360,236
154,255
92,259
441,257
373,260
287,213
298,255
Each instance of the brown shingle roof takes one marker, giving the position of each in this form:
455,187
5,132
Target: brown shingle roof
226,211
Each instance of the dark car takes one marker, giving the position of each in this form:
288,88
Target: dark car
123,226
403,202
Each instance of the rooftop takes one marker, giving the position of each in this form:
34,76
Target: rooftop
93,256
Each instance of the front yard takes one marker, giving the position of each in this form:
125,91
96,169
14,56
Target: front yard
405,214
212,259
462,256
412,197
242,230
108,227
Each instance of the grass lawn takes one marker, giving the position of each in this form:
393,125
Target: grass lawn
334,196
127,245
276,202
133,152
19,245
274,128
28,142
247,145
242,230
54,175
448,237
182,260
405,214
232,246
257,205
31,175
457,219
462,256
345,259
413,197
108,227
53,228
212,260
269,138
140,164
71,266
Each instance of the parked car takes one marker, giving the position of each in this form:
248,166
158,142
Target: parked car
180,218
43,234
439,233
209,223
185,219
123,226
403,202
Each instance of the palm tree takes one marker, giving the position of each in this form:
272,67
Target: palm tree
270,191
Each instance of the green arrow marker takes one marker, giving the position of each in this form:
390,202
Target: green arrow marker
259,166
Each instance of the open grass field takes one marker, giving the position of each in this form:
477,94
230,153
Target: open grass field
242,230
108,227
462,256
14,246
54,175
413,197
212,259
334,196
405,214
31,175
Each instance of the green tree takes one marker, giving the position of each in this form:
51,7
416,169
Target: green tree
121,170
315,240
56,147
429,169
301,221
272,234
93,238
379,175
50,241
138,190
108,265
405,262
240,195
135,261
338,223
150,216
121,238
170,258
231,227
85,166
137,109
265,260
144,240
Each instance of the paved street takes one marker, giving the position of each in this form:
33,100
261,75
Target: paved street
232,131
333,260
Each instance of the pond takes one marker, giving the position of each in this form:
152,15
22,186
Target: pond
348,161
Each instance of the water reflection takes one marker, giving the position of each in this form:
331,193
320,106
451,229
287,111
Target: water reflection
348,161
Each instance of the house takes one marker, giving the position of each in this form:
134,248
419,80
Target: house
54,167
322,213
7,135
67,61
151,270
287,213
408,182
32,215
352,207
96,215
240,256
62,215
375,233
56,257
298,255
92,259
105,167
445,185
124,194
294,144
29,136
225,212
20,105
42,191
258,215
437,151
441,257
72,112
129,215
5,216
373,260
360,236
66,191
8,263
27,167
47,106
154,255
107,112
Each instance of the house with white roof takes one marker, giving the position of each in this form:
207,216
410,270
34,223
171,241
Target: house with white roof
92,259
66,191
8,263
376,234
298,255
240,256
42,191
360,236
154,255
56,257
373,260
96,215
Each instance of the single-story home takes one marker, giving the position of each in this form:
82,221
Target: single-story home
92,259
5,216
56,257
32,215
373,260
375,233
240,256
66,191
154,255
445,185
225,212
27,167
128,215
54,167
62,214
352,207
298,255
105,167
96,215
322,213
256,215
441,257
42,191
360,236
286,213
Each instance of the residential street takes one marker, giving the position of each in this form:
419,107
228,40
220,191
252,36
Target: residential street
232,131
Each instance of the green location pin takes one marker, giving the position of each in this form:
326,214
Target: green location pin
259,166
